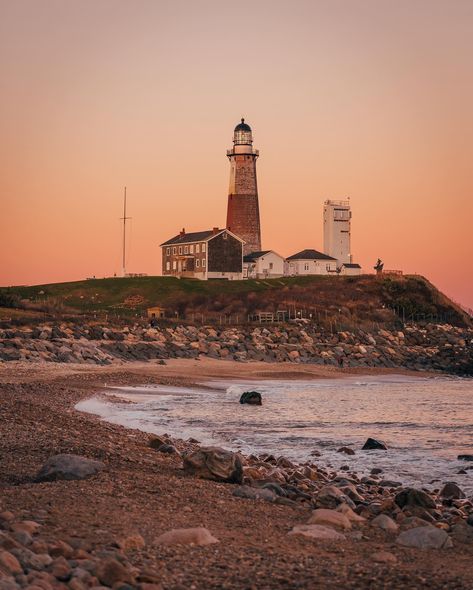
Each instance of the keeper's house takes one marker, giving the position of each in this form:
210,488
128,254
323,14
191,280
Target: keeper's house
212,254
311,262
263,265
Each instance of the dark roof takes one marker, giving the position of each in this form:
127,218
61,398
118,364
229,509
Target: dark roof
197,236
252,256
310,255
351,265
243,126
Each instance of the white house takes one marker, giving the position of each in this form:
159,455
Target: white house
311,262
263,265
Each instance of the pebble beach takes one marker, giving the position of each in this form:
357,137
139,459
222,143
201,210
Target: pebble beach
153,512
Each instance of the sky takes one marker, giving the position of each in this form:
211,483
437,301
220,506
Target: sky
367,99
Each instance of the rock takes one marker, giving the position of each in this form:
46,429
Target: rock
411,497
131,543
383,557
192,536
156,442
330,518
68,467
30,560
386,523
331,497
425,537
60,548
372,444
465,457
251,397
60,569
26,526
412,522
276,488
168,449
451,490
6,516
110,572
389,483
376,471
9,564
317,531
350,514
462,532
254,493
7,542
346,450
214,463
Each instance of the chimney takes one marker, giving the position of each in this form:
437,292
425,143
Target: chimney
182,233
215,230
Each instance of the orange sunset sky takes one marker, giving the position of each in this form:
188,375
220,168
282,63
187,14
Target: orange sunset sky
371,99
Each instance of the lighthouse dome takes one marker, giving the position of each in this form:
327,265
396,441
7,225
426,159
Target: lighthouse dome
243,126
242,134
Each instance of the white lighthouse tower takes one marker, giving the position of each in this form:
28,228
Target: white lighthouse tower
337,231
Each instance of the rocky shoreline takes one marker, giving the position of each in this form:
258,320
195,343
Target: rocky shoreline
442,348
87,504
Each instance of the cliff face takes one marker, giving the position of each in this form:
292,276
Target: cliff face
435,347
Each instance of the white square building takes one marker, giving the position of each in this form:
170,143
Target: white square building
337,231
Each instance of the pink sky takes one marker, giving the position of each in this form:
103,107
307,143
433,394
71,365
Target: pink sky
370,99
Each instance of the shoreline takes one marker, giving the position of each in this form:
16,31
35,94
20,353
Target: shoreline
424,465
144,491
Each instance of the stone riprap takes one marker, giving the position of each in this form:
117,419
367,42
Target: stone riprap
434,347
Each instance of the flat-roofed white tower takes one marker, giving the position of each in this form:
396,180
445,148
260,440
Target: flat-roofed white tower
337,230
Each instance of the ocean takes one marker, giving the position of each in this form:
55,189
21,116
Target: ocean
425,422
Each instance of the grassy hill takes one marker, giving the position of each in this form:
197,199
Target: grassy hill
346,300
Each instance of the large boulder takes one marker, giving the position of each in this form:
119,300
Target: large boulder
383,521
330,497
252,398
68,467
191,536
373,444
330,518
214,463
425,537
452,491
411,497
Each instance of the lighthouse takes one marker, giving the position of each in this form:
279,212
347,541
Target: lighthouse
243,208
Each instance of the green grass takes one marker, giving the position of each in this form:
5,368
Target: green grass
358,299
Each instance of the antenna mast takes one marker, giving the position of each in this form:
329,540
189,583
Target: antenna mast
124,218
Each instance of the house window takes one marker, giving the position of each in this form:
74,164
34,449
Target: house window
203,248
191,248
225,236
197,248
174,249
306,266
270,266
186,249
168,265
180,249
168,251
203,262
174,265
197,263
